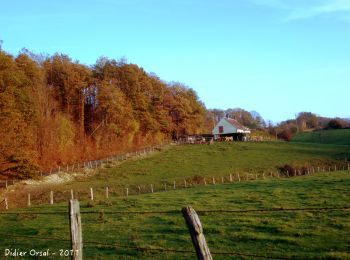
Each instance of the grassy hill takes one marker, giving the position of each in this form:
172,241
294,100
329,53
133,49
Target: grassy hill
339,136
190,162
280,234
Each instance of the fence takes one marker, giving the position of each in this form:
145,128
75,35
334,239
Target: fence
94,164
201,249
166,185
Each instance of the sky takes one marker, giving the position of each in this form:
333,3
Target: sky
277,57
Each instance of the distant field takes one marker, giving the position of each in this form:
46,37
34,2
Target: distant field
340,136
192,162
283,234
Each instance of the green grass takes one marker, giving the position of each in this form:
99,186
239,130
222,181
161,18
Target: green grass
298,235
193,163
340,137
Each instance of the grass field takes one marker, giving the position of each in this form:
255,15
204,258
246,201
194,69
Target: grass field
298,235
190,162
340,137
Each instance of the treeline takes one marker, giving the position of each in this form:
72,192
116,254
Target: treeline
55,111
305,122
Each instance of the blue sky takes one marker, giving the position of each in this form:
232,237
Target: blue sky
277,57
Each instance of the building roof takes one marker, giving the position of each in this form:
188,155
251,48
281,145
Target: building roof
236,124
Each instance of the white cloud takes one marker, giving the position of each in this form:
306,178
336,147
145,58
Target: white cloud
301,9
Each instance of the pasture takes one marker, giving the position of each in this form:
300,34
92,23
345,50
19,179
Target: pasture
192,163
111,230
339,136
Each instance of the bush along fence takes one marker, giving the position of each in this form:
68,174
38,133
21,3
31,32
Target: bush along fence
90,165
106,192
192,220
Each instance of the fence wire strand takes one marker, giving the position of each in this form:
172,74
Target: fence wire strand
343,208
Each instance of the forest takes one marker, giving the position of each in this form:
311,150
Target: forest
55,111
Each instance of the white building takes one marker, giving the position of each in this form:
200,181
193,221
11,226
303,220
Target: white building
230,127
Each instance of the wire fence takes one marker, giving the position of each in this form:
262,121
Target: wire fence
45,197
90,165
152,248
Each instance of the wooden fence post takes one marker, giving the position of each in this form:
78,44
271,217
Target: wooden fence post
6,204
107,191
28,199
205,182
196,231
185,183
213,180
91,194
127,192
230,177
51,197
71,194
139,189
239,178
152,188
174,185
75,230
222,179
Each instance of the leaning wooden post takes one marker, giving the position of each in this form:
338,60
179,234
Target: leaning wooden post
6,204
196,231
51,197
28,199
91,194
75,230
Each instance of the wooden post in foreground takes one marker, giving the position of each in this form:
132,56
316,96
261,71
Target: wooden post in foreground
196,231
75,230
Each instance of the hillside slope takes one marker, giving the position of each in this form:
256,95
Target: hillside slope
339,137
